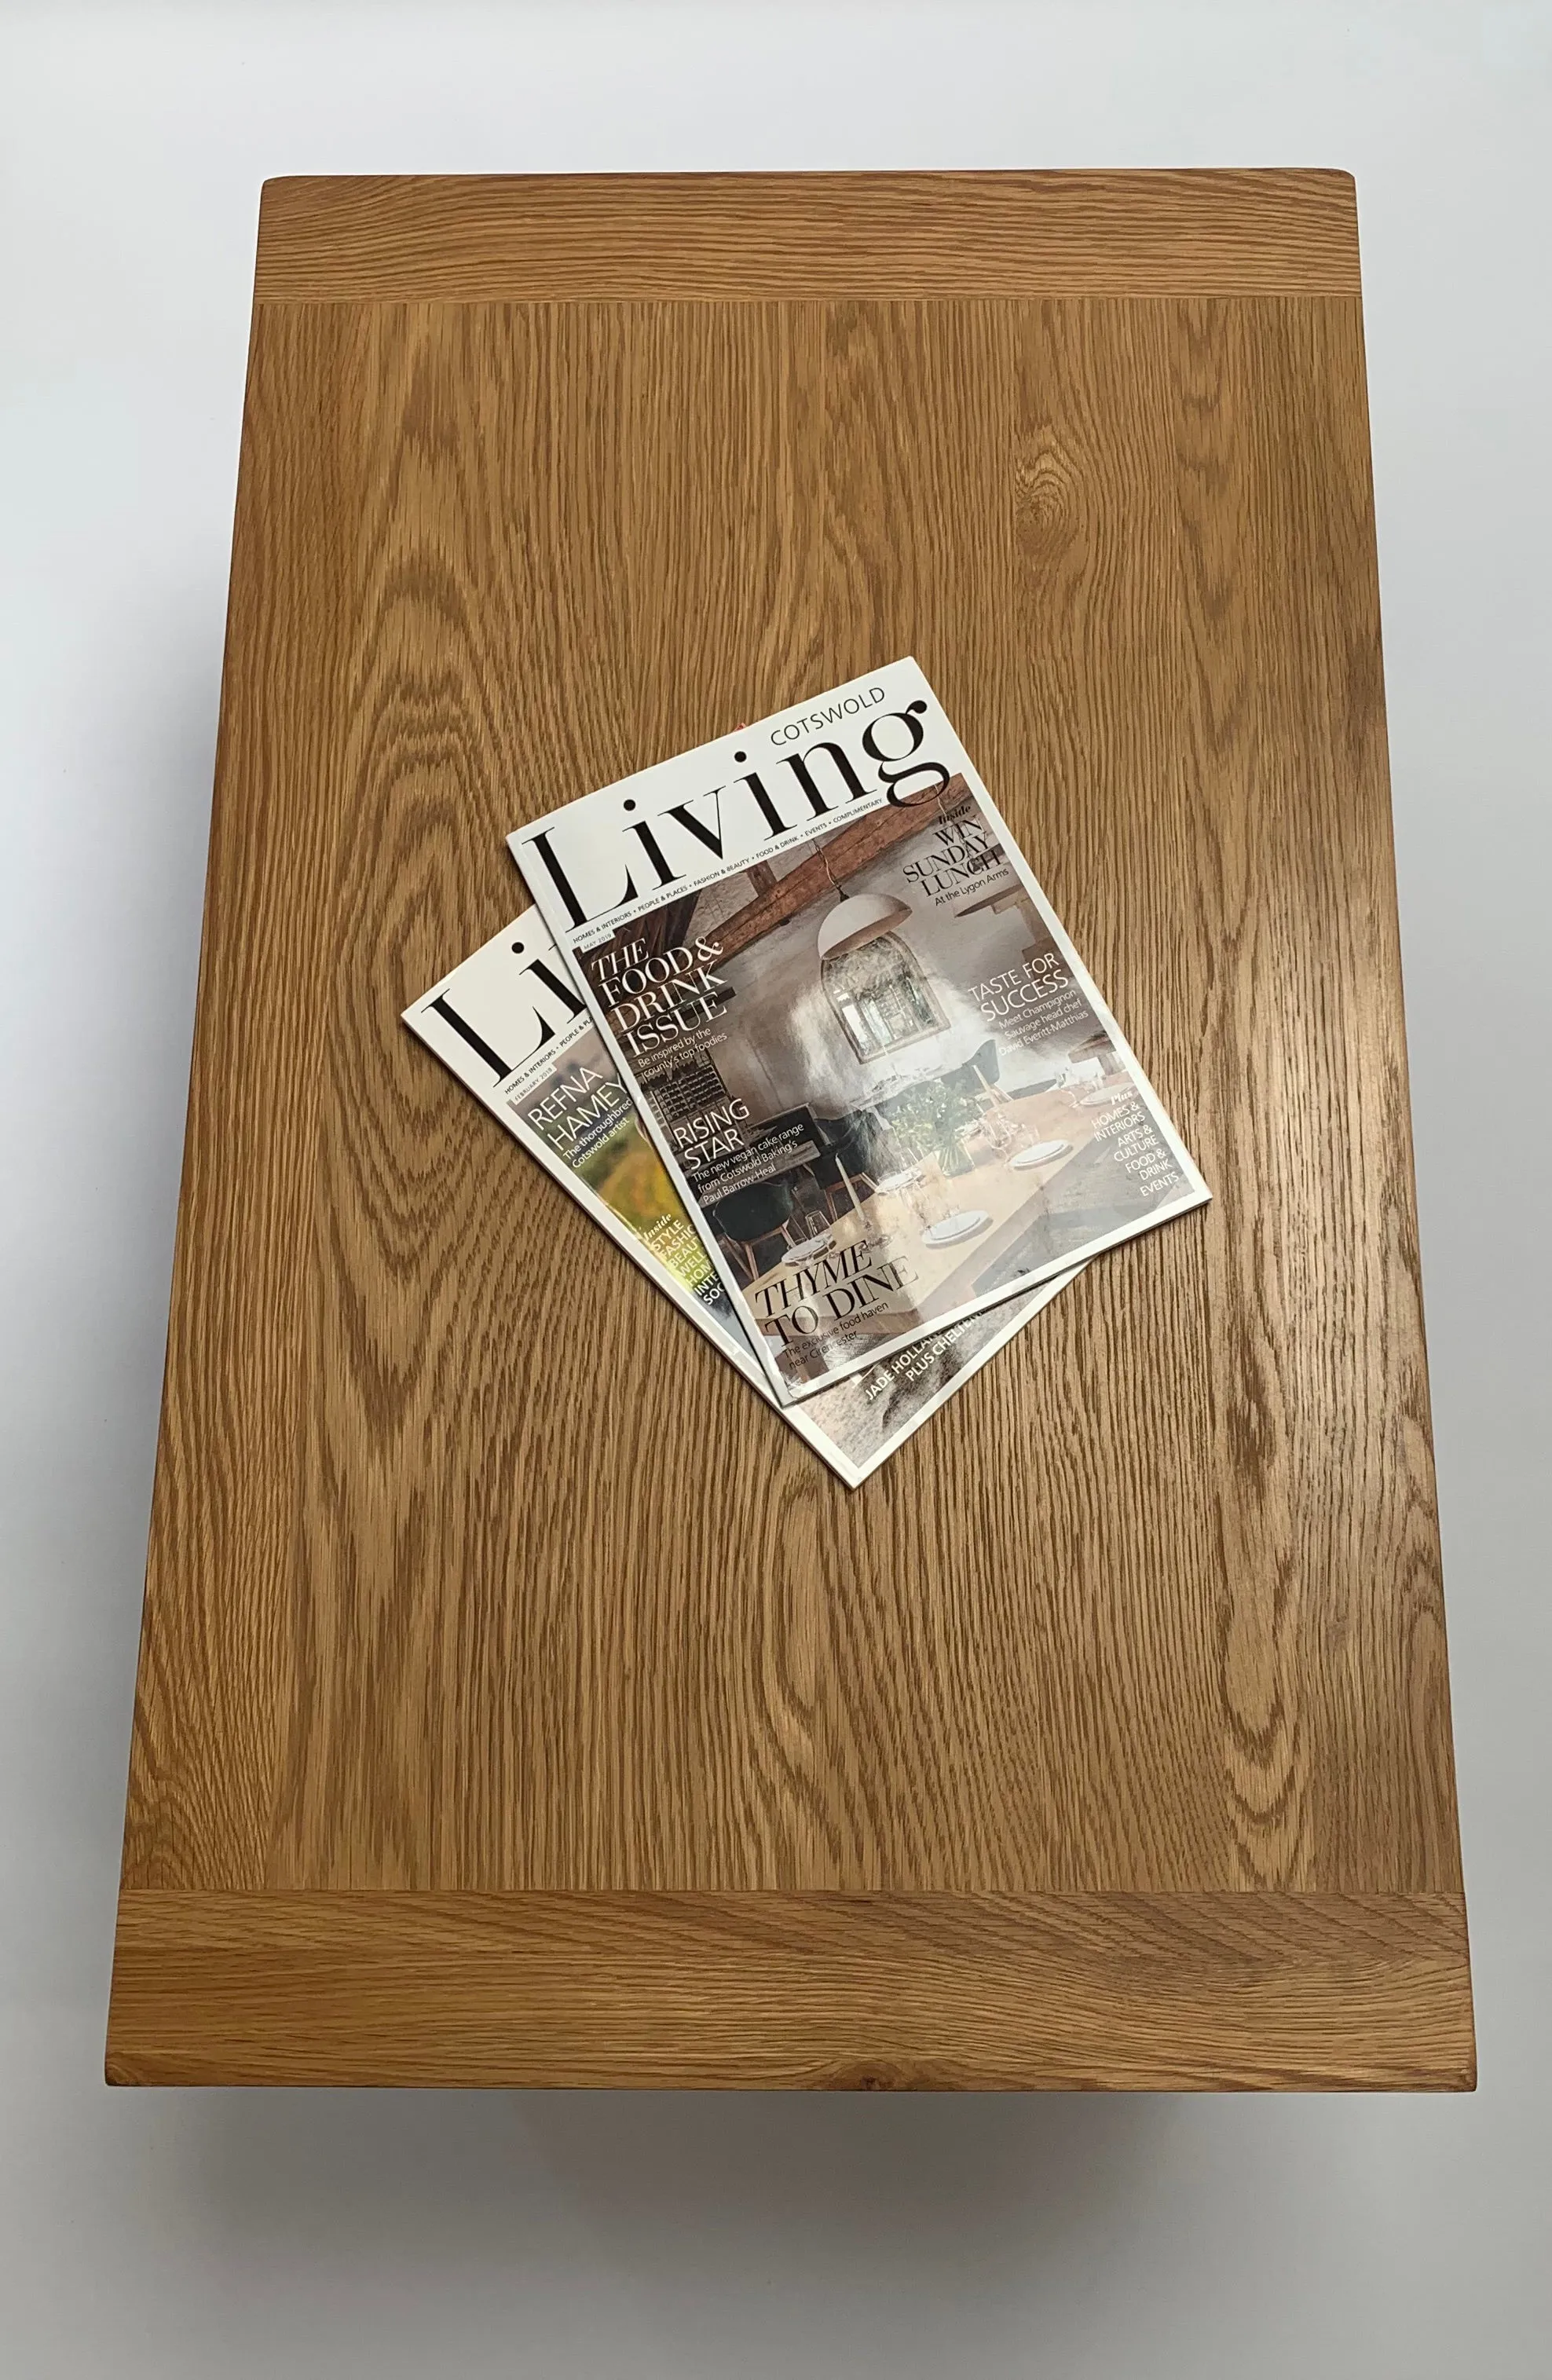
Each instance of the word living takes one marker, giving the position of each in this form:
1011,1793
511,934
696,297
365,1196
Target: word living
734,820
805,1301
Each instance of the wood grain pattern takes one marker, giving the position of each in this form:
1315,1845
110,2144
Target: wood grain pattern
811,1991
753,236
472,1572
213,1653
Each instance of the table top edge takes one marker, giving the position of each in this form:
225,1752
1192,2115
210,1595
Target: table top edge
782,1991
797,235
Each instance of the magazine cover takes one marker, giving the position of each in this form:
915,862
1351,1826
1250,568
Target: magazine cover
511,1027
884,1084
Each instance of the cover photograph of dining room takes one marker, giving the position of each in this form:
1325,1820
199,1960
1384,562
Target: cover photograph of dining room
889,1091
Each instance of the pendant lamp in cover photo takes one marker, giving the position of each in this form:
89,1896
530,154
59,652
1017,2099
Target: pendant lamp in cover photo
856,918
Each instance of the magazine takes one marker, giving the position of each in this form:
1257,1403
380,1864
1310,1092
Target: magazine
882,1081
512,1028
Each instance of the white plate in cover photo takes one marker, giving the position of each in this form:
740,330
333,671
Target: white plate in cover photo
810,1248
962,1226
1045,1152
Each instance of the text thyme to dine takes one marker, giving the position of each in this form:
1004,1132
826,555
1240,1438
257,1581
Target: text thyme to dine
804,1300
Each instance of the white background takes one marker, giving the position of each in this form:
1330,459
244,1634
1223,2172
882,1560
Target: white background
189,2237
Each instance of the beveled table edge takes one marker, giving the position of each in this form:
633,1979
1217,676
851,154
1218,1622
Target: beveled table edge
746,238
794,1991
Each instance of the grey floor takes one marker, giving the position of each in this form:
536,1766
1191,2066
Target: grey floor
181,2237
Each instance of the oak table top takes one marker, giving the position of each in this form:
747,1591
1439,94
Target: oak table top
519,1701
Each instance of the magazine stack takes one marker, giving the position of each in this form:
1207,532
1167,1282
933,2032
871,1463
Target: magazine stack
791,1019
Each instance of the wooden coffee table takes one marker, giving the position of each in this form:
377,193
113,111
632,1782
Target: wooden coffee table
519,1701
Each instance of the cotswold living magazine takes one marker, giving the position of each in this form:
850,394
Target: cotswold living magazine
887,1089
